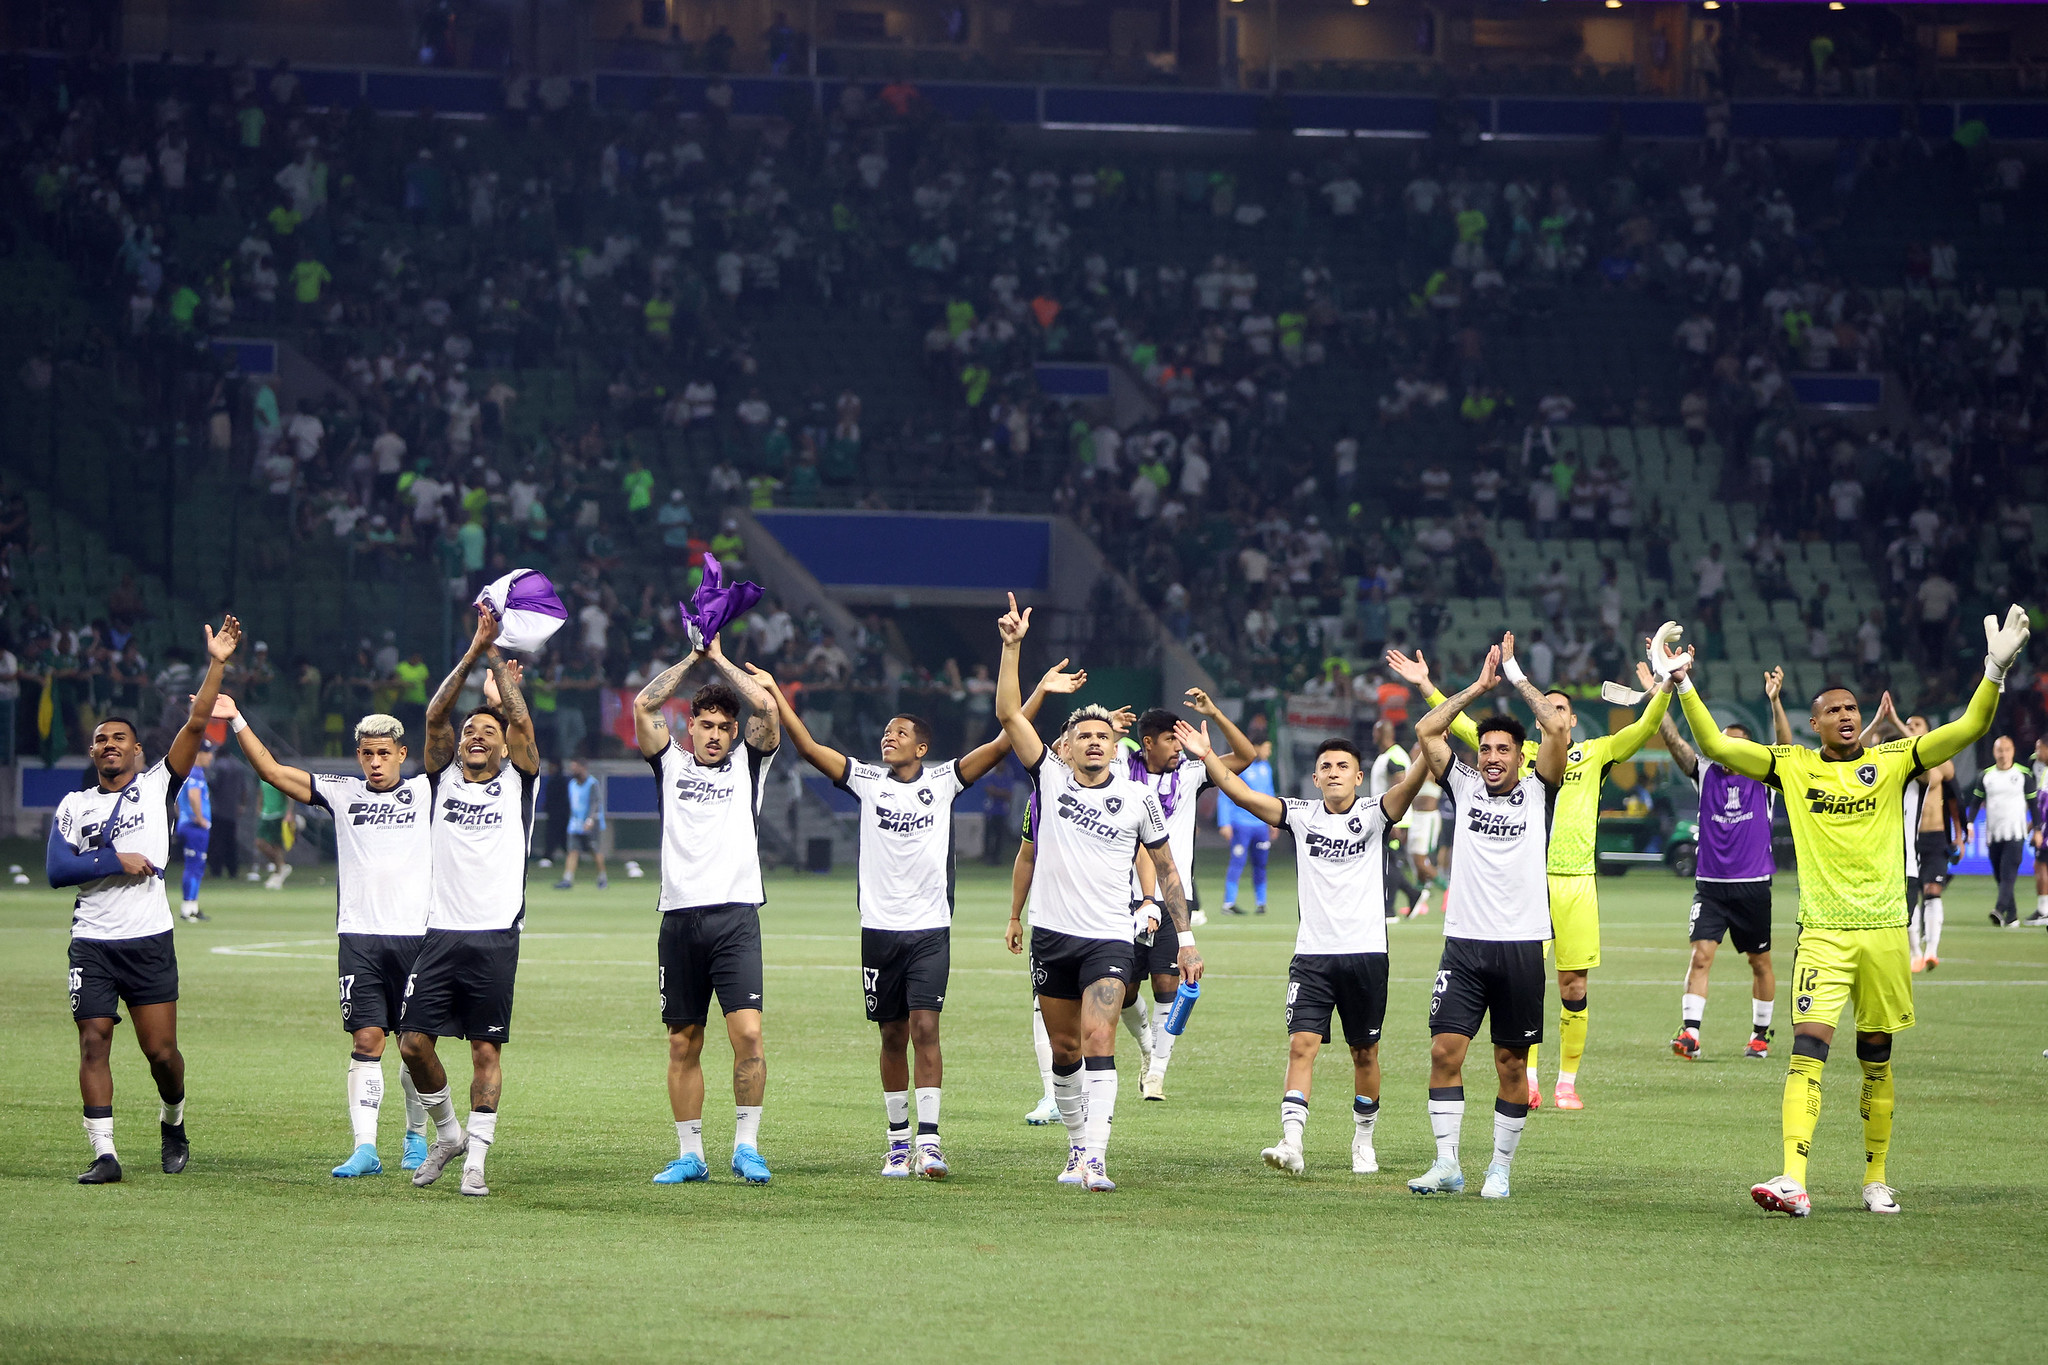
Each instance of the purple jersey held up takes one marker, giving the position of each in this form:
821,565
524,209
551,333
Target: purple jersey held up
1735,827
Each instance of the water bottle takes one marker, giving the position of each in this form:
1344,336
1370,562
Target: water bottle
1183,1005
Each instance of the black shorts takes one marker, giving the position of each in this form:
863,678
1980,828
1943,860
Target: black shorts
461,985
106,971
1741,910
583,843
1064,965
372,969
903,970
1503,980
1933,847
1160,957
1354,985
715,950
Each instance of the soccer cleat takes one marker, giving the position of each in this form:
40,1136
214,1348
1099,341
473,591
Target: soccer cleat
105,1170
1073,1174
1197,918
683,1170
176,1150
1686,1043
931,1163
1782,1194
1496,1186
1152,1086
1232,910
1997,920
603,881
748,1166
1259,910
896,1162
1758,1048
362,1161
1932,962
1096,1178
1566,1096
564,884
1285,1157
200,916
473,1183
1048,1110
1879,1198
439,1154
1364,1160
2037,920
1919,965
1535,1095
1443,1177
415,1151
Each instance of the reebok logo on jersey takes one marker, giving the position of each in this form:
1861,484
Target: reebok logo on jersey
377,813
470,816
1827,803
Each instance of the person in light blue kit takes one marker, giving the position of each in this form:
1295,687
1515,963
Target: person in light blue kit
586,824
195,826
1250,837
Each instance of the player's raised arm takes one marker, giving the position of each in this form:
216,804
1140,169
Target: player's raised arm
1444,715
1415,672
1531,695
1774,689
520,742
976,764
1553,753
1623,743
823,757
2003,644
1196,743
295,783
441,707
650,726
1885,725
764,726
220,647
1242,750
1013,625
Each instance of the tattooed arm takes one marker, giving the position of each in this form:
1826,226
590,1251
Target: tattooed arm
441,710
650,727
519,736
1176,901
764,726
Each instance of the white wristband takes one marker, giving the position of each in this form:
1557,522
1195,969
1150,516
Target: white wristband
1187,940
1511,669
238,725
1685,684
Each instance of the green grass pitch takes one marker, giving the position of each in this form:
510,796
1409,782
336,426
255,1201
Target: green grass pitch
1630,1235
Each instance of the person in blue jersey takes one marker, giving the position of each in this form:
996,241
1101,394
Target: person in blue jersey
195,828
1251,839
586,824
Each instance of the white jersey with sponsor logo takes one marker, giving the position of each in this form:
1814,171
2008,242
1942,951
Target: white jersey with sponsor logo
1500,881
383,843
135,819
1339,866
480,833
708,851
1087,838
1179,789
906,844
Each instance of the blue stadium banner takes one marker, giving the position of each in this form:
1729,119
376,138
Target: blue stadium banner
916,550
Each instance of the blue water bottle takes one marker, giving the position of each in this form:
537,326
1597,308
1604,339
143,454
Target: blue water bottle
1183,1005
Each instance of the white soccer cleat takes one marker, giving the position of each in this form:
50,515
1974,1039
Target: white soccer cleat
1048,1111
931,1164
438,1157
1496,1186
1152,1086
1285,1157
1096,1178
1196,918
1074,1174
896,1165
473,1183
1364,1160
1783,1194
1879,1198
1442,1177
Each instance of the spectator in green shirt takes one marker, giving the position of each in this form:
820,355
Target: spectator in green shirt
270,835
638,483
309,277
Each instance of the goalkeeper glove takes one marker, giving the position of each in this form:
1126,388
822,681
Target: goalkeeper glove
1664,658
2002,644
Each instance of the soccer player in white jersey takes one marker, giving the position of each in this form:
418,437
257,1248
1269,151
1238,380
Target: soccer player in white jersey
1177,779
1091,821
112,841
1496,923
905,892
481,798
1340,952
711,896
382,843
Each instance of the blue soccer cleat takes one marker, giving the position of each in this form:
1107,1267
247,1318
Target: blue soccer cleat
415,1151
683,1170
362,1161
1443,1177
748,1166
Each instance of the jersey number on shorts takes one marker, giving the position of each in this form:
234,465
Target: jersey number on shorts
348,985
77,983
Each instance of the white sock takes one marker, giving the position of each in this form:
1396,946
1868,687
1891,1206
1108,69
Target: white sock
1135,1020
1099,1080
1293,1117
690,1138
1364,1114
1692,1009
100,1133
441,1110
1162,1041
188,908
1913,936
746,1128
1507,1133
1568,1079
415,1112
1930,932
2040,905
365,1095
1446,1118
1073,1104
483,1131
896,1105
928,1116
1760,1013
1042,1045
173,1114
